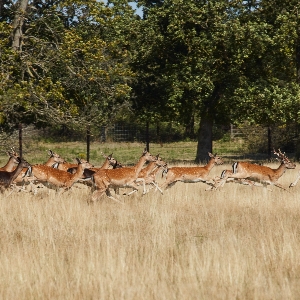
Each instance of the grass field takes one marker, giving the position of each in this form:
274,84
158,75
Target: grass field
127,153
235,243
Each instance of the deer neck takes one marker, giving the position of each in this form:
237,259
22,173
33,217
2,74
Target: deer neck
150,167
50,162
210,164
138,167
9,165
79,172
105,164
281,169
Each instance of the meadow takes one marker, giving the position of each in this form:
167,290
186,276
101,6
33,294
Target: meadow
235,243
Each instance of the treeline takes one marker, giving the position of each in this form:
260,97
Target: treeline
86,64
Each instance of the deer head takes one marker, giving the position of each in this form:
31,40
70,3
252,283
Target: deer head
284,160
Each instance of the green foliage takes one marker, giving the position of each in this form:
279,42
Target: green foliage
71,69
86,64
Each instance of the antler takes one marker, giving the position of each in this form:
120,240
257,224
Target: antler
280,154
12,152
107,156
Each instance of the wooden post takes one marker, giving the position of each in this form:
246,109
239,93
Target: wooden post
88,141
147,136
269,143
20,140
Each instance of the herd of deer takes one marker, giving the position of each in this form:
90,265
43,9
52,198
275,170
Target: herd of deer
58,173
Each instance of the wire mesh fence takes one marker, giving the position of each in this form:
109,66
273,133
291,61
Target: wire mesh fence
229,140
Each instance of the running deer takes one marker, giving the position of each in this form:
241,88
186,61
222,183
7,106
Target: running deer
254,174
7,178
118,178
88,173
59,178
12,161
191,174
53,160
70,167
149,172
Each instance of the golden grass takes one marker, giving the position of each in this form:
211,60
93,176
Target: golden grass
236,243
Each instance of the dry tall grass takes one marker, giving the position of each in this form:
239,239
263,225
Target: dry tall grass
236,243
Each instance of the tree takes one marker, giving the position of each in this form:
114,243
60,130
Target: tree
68,68
209,55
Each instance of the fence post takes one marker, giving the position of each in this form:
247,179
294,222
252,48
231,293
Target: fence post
147,136
88,141
20,140
269,143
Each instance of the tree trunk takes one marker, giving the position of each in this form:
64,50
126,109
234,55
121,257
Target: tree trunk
17,26
204,138
205,135
298,55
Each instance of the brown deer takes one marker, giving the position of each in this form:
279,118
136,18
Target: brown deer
53,160
7,178
12,161
59,178
191,174
149,172
117,178
87,174
254,174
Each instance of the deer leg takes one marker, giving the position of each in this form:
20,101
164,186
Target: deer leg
133,191
109,195
157,187
281,186
97,194
296,181
144,184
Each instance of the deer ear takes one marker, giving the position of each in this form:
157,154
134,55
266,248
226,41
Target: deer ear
210,155
50,152
78,160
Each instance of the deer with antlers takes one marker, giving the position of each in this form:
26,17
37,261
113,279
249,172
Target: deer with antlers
191,174
7,178
118,178
254,174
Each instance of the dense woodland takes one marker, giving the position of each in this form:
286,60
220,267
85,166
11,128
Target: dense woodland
85,64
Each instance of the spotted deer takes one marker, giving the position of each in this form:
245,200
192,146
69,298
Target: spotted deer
254,174
59,178
12,161
118,178
191,174
7,178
